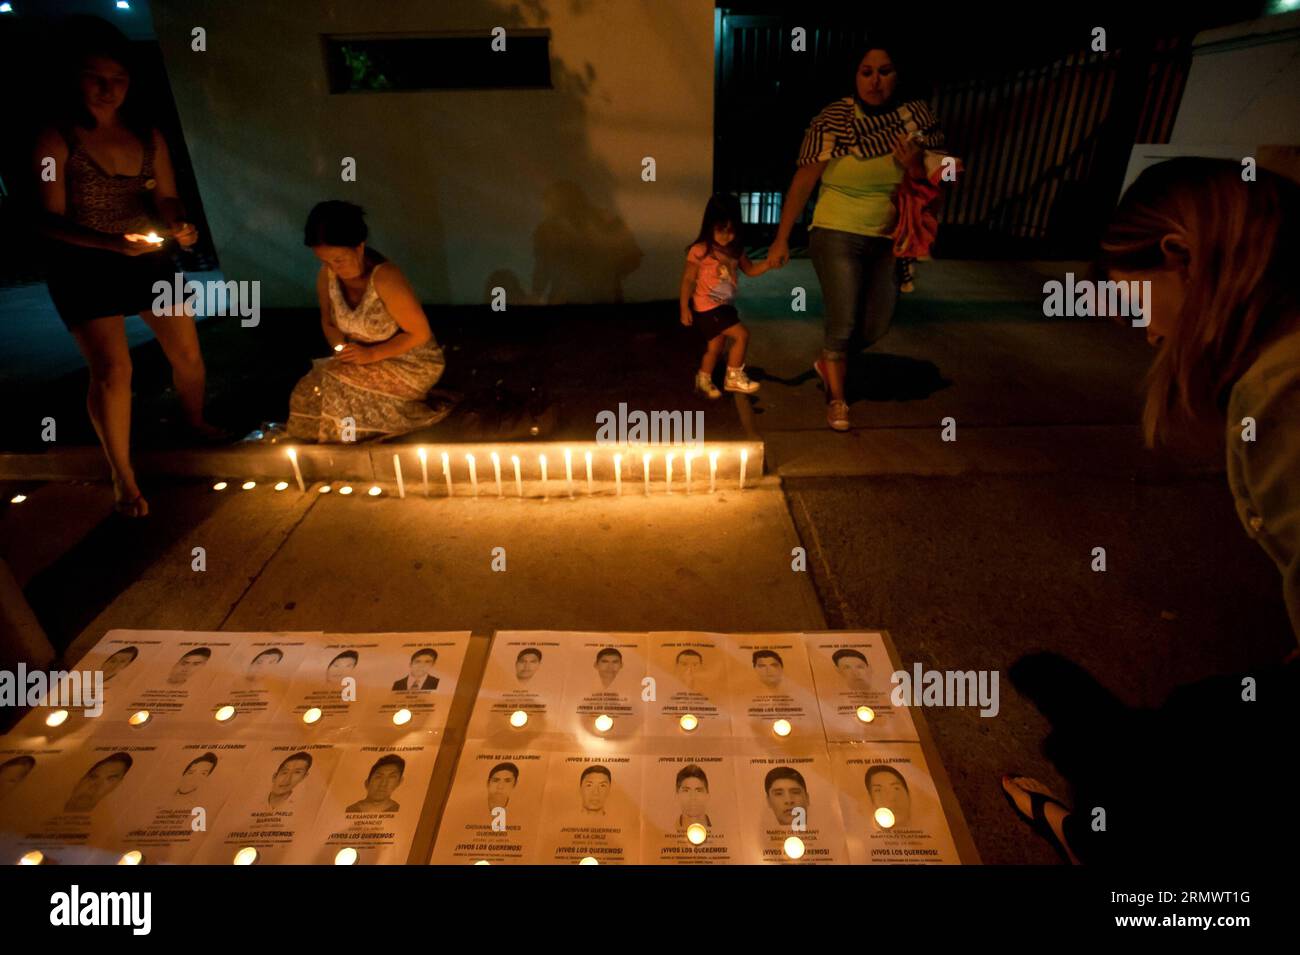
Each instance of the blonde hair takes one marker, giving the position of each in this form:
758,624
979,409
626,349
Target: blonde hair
1241,281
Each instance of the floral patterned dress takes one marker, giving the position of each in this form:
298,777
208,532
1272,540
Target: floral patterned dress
385,397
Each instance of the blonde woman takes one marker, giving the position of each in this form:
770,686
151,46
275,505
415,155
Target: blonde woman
1221,255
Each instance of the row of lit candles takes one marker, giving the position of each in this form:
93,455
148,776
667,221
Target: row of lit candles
471,463
603,723
695,833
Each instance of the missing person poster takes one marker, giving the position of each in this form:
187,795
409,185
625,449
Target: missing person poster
169,818
591,813
689,809
71,812
25,768
107,673
689,671
769,680
335,681
525,674
605,696
892,813
258,675
372,807
494,810
422,670
852,673
175,686
789,810
274,810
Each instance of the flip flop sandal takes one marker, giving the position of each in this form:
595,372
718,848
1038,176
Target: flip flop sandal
1038,817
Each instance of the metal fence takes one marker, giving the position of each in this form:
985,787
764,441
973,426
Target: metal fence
1045,145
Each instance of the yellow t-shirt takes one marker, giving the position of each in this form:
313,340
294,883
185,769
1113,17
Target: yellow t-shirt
856,195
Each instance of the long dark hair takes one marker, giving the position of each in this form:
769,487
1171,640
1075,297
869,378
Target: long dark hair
81,38
721,209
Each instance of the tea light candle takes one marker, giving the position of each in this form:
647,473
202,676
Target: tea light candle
338,348
245,856
375,490
225,713
604,723
518,718
496,472
519,484
688,722
424,468
866,714
793,847
35,857
313,715
134,857
249,485
696,833
482,862
346,856
885,817
139,718
402,717
782,728
281,485
325,489
345,490
220,486
589,860
57,718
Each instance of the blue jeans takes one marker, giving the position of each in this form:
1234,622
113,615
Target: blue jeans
856,273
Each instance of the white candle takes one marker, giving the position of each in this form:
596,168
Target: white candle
744,461
713,471
690,455
541,460
645,468
669,471
293,458
446,471
587,457
568,470
473,474
618,474
397,469
519,484
496,470
424,468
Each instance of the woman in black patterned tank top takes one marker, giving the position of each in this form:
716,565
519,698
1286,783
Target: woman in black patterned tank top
105,183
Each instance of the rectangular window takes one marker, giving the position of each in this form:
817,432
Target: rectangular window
388,63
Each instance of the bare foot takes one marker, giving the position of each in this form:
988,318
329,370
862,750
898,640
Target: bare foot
127,499
1054,811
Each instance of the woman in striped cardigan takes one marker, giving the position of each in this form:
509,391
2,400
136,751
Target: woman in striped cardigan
860,148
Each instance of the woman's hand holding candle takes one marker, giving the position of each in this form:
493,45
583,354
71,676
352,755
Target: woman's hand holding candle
185,234
355,354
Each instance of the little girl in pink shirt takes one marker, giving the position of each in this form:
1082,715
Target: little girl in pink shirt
708,290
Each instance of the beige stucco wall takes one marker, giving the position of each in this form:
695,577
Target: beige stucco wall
467,189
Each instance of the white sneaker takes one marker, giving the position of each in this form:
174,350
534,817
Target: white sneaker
704,385
737,380
837,415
